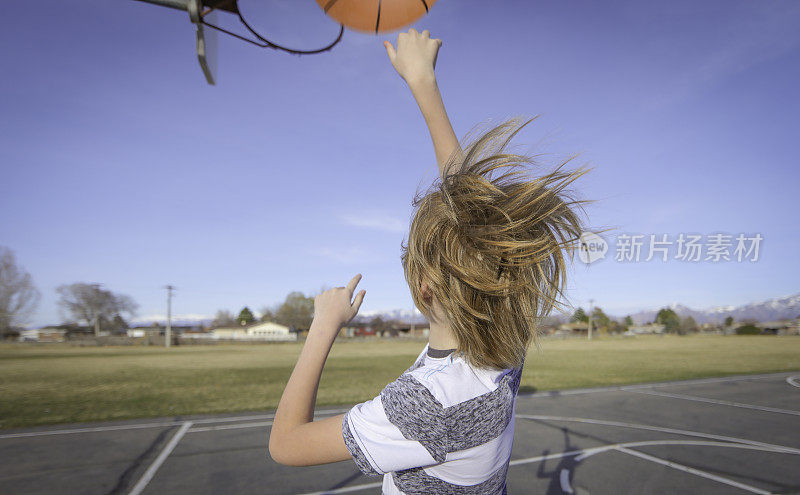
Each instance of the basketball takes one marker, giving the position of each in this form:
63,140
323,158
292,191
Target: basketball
375,16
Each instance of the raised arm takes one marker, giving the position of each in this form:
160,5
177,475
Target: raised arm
295,439
415,61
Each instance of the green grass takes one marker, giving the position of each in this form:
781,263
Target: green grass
48,384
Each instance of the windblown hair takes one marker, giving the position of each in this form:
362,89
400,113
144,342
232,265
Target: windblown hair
492,249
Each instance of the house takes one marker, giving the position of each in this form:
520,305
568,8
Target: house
46,334
575,327
412,330
268,331
648,328
357,329
148,331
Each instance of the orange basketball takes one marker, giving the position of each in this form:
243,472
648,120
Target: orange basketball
376,16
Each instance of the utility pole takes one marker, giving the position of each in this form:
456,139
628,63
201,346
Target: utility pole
96,310
413,316
169,288
591,302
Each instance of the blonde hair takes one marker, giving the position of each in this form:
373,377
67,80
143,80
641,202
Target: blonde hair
492,249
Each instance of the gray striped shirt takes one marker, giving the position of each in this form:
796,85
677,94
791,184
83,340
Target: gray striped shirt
443,427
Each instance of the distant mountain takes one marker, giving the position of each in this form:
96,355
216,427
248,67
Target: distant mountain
781,308
177,320
403,315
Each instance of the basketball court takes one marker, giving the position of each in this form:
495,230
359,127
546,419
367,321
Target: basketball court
738,434
720,435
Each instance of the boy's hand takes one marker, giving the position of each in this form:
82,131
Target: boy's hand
333,307
415,57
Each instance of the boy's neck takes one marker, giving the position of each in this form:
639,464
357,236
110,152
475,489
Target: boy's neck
440,336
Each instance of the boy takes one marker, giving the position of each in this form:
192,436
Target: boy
483,262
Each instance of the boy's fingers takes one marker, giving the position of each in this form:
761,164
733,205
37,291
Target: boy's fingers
389,50
358,300
426,33
351,286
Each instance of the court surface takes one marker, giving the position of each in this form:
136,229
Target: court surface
721,435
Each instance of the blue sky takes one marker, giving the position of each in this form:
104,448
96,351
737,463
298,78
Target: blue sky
121,166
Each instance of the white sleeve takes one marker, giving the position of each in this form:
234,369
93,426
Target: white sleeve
400,429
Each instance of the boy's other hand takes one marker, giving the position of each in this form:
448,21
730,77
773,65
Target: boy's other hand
333,306
415,57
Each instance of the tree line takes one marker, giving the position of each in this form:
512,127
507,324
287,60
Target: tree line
672,322
92,305
100,309
295,312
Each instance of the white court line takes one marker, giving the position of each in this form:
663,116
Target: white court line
699,381
716,401
793,381
697,472
87,430
96,429
584,453
546,457
230,427
647,443
347,489
781,448
151,471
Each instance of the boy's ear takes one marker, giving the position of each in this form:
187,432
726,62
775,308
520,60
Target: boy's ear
425,290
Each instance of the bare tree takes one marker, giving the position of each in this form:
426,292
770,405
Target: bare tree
268,313
18,296
91,304
223,319
296,311
384,327
688,325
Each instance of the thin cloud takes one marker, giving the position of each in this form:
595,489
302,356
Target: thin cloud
345,255
384,223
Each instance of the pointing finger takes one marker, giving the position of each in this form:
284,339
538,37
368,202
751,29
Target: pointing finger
351,286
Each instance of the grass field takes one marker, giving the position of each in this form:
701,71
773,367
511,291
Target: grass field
47,384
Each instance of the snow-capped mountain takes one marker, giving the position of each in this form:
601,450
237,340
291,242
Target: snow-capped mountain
177,320
404,315
781,308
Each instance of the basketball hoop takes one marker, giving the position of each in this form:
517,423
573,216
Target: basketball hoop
202,13
232,6
374,17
